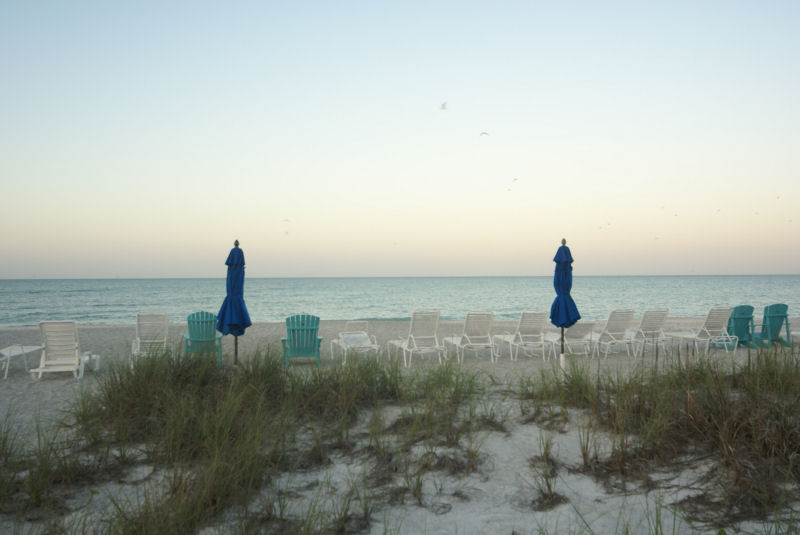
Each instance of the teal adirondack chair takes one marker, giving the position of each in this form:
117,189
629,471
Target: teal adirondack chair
776,319
202,336
741,325
302,338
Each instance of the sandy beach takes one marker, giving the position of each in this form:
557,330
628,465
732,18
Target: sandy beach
492,499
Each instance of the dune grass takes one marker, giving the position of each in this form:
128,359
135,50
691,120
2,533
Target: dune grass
744,418
220,434
222,439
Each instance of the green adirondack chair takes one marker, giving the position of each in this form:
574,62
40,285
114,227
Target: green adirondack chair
302,340
776,319
202,336
741,325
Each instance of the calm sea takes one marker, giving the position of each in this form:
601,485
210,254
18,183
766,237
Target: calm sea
116,301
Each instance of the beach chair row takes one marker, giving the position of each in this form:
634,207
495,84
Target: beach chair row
723,327
719,330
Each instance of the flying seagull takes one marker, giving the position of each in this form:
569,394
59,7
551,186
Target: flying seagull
484,133
443,106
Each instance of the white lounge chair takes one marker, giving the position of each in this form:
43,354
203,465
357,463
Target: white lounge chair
60,351
714,331
651,331
152,331
354,339
577,339
477,335
614,333
422,337
529,336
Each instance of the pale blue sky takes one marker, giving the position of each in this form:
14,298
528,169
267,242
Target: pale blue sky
140,139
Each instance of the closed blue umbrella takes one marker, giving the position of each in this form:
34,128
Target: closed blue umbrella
563,312
233,317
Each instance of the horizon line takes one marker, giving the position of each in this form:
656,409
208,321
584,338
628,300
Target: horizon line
222,276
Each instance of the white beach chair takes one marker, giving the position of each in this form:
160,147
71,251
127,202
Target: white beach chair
354,339
714,331
529,336
577,340
422,337
60,351
152,331
651,331
477,335
614,333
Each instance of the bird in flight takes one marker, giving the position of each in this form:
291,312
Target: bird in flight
484,133
443,106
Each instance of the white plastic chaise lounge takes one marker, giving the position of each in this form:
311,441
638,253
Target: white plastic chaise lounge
152,331
477,335
714,331
614,333
422,337
651,331
60,351
529,336
354,339
577,340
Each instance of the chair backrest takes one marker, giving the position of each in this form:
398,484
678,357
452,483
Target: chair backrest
531,325
301,332
355,339
152,330
740,323
202,326
618,321
478,326
424,327
353,326
579,330
716,322
653,321
60,341
424,323
775,317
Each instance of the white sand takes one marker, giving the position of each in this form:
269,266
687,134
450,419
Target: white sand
495,498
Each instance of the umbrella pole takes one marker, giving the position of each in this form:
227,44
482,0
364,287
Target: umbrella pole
561,360
236,350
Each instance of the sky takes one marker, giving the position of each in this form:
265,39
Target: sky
413,138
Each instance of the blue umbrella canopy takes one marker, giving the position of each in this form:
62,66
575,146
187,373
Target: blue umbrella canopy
563,311
233,317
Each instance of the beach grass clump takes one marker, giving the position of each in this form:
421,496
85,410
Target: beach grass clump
743,417
219,433
10,459
544,469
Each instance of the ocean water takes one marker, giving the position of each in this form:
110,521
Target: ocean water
116,301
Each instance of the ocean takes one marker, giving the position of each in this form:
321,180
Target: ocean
116,301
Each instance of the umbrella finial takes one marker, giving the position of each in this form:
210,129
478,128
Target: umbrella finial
236,243
563,241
